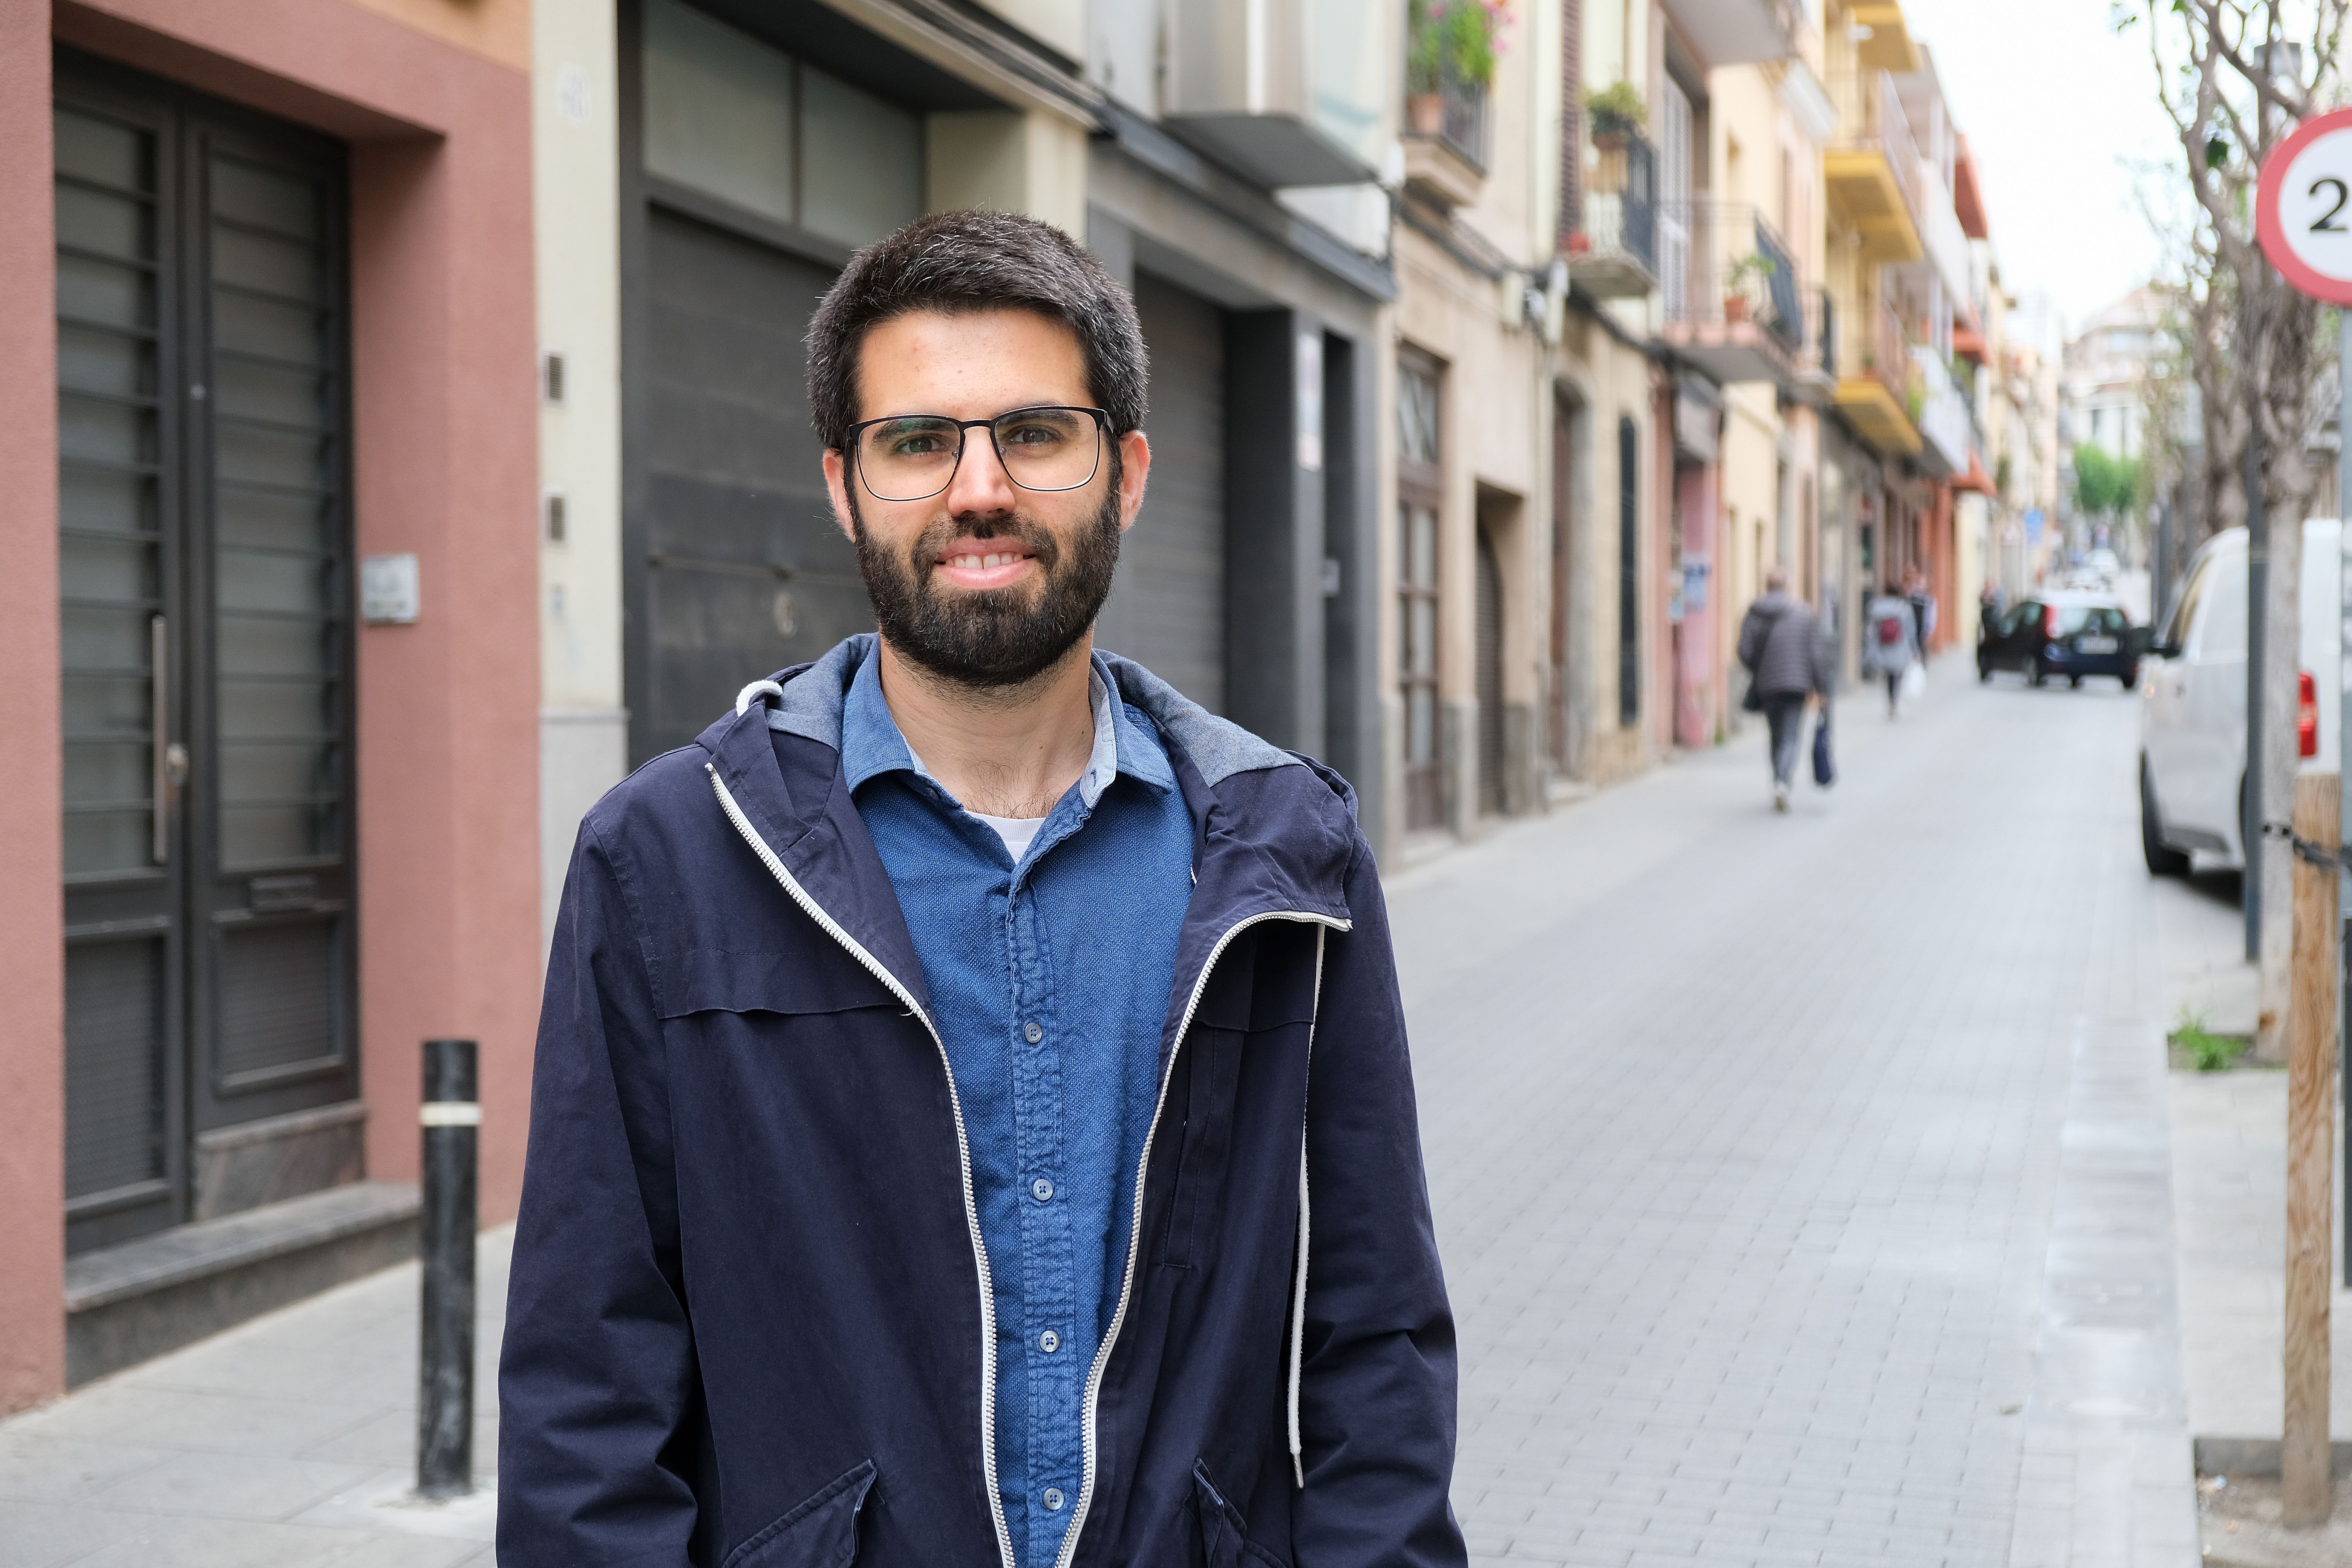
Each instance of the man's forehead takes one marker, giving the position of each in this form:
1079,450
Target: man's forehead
987,352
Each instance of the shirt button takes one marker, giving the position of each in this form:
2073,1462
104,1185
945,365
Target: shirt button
1042,1190
1053,1500
1049,1341
1033,1034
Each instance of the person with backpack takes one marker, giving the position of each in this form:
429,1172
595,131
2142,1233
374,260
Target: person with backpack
1787,661
1890,642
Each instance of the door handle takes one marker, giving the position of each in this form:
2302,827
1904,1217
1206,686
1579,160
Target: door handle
170,758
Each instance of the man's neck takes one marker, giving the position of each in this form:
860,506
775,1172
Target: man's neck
1002,751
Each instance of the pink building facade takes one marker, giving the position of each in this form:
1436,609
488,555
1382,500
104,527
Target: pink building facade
266,315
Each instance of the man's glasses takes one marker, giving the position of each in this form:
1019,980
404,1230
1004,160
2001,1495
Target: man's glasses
913,456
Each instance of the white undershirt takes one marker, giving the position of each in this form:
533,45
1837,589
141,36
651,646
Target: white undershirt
1018,832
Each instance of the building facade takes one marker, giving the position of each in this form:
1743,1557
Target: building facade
272,645
410,399
757,146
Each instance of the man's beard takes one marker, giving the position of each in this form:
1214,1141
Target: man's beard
993,638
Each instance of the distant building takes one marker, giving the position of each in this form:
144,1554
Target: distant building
2103,394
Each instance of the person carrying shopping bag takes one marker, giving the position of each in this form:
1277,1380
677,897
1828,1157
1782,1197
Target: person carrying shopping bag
1890,645
1787,661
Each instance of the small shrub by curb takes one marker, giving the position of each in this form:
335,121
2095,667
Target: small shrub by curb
2192,1045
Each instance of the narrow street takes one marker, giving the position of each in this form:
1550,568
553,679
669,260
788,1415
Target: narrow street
1802,1181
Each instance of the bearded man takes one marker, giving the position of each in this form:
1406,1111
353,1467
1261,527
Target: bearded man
924,1163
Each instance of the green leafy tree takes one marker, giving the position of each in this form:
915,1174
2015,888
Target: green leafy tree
2106,485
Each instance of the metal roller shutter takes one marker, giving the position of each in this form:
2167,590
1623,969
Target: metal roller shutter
1167,609
745,570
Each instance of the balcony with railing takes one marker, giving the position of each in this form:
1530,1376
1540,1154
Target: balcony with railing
1734,298
1445,138
1741,32
1881,389
1943,418
1872,171
1614,253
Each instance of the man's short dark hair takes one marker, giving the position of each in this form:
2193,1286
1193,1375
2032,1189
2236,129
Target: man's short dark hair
961,262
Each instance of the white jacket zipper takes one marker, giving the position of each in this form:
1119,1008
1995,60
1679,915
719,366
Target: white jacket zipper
832,929
1135,1223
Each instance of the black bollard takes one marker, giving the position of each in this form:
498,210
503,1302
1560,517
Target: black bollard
452,1118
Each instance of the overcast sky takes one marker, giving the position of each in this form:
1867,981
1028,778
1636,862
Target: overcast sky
2056,108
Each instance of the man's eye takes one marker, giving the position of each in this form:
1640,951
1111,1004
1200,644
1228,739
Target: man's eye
1036,435
917,444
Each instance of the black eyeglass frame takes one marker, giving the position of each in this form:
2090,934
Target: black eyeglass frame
1102,435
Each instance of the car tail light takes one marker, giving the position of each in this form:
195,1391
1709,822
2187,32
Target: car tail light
2307,715
2050,622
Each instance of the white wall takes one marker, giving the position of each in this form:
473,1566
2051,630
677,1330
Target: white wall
583,742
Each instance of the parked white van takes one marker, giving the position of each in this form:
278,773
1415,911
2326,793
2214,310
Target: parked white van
2193,760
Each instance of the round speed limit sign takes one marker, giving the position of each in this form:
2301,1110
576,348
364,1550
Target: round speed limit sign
2302,208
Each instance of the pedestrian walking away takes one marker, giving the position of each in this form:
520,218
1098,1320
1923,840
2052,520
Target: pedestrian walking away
1788,666
1923,607
923,1122
1890,643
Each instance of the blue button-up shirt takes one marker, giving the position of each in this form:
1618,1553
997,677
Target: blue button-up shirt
1049,982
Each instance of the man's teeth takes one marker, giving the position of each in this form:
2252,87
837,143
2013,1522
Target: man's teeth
982,562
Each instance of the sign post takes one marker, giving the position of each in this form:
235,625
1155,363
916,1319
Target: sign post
2303,216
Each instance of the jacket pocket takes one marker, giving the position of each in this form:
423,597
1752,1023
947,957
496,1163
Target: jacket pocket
713,980
1224,1534
821,1533
1206,1081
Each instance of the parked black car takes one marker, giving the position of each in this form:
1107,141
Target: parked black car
2062,634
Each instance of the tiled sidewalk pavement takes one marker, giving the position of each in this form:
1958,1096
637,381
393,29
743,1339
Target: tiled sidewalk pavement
2229,1158
1802,1181
286,1443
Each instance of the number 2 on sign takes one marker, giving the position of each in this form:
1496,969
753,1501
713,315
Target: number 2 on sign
2326,223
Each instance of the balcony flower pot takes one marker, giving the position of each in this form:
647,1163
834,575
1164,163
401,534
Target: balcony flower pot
1735,309
1424,114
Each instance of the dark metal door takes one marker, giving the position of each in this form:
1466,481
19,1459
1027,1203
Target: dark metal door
1489,629
203,552
745,570
1167,609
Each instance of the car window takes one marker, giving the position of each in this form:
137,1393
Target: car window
2107,618
2221,631
2073,619
2184,609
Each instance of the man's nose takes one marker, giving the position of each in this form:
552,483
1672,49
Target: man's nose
981,484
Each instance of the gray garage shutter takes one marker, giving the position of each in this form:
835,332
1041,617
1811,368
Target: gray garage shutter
746,572
1167,609
1489,674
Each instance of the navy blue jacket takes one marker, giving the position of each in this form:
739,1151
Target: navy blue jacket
749,1323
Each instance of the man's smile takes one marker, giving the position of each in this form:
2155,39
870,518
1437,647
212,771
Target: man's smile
982,563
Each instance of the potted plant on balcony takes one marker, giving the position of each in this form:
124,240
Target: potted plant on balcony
1448,42
1616,111
1754,265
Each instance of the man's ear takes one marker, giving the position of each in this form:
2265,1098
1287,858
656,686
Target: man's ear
1134,467
836,485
